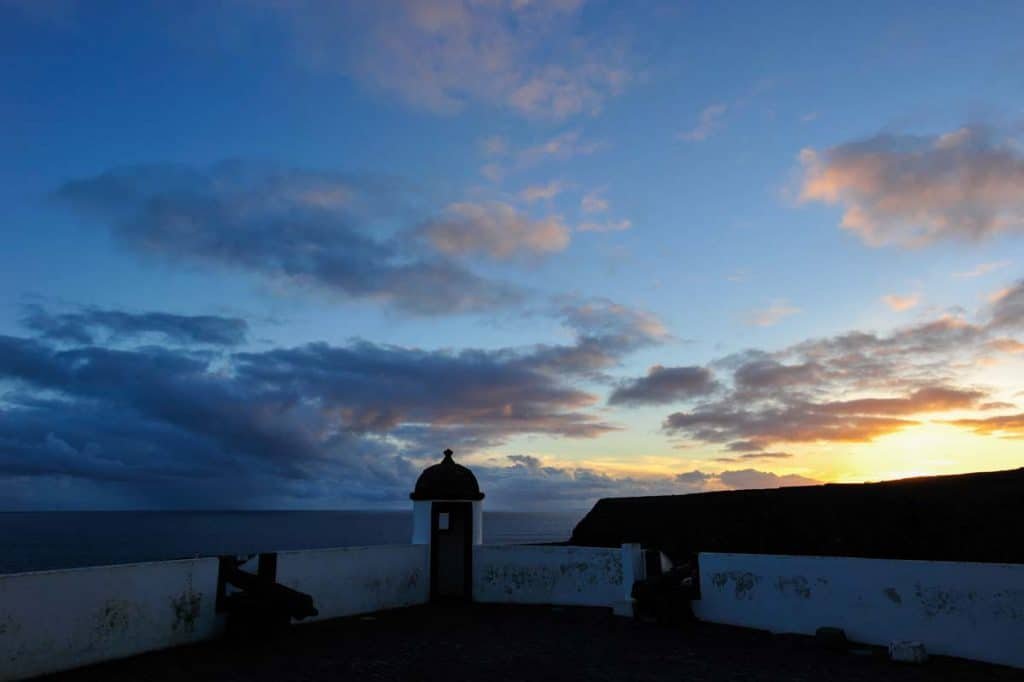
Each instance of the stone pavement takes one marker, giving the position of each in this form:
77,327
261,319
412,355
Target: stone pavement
497,643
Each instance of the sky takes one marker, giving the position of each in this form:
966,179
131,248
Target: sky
269,254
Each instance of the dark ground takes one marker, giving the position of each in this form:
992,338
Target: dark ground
497,643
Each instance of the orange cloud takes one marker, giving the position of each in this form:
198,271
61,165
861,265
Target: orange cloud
916,190
542,192
771,315
534,58
496,230
1009,426
1006,345
901,303
981,269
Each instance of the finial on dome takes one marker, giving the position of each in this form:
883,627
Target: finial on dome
448,453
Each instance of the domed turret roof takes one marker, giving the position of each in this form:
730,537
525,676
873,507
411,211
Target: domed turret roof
447,480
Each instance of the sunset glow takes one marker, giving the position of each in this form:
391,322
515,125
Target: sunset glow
281,255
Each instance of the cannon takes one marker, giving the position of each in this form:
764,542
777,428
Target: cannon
665,595
260,605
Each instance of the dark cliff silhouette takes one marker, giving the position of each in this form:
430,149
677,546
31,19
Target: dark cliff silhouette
969,517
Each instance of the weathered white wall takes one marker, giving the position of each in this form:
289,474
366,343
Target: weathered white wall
351,580
478,522
525,574
970,610
55,620
421,522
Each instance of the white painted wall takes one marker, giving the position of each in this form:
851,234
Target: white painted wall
969,610
55,620
525,574
478,522
421,522
351,580
633,568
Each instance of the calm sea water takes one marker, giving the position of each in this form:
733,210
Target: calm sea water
34,541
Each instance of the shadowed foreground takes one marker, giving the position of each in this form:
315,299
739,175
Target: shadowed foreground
523,643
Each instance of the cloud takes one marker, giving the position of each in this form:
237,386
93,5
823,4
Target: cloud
605,331
594,202
899,303
755,455
147,425
303,228
741,479
608,226
964,185
853,387
1006,345
496,230
751,478
771,315
709,122
786,423
504,160
743,446
1005,426
534,59
528,483
1007,307
697,478
796,395
152,425
561,147
542,192
664,385
90,324
930,399
763,373
981,269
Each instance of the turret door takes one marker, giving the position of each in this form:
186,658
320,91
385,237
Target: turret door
451,550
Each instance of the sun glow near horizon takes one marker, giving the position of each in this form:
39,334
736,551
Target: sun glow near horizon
597,249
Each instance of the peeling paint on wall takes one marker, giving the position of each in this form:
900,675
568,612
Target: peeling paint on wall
893,595
1009,605
743,582
55,620
935,600
186,608
972,610
796,585
547,575
113,619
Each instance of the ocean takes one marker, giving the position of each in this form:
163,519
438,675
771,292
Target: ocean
37,541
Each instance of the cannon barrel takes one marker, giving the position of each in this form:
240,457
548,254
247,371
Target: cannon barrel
272,595
261,604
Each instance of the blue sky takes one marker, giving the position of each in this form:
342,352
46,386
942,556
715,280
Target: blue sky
785,210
